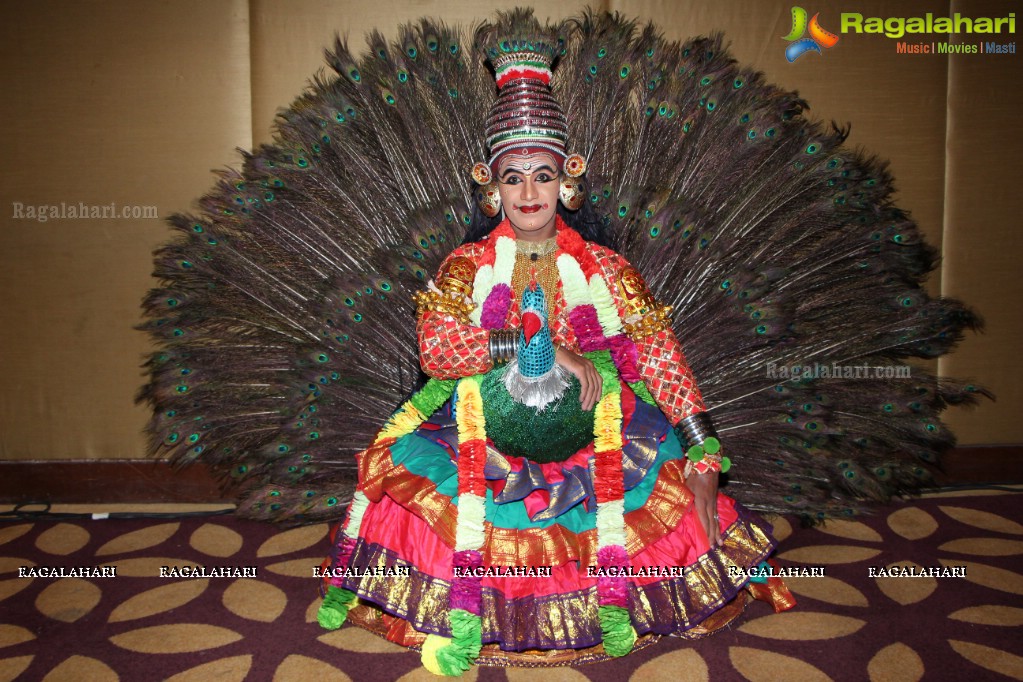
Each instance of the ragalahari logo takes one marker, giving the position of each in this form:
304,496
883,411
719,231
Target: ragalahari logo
819,37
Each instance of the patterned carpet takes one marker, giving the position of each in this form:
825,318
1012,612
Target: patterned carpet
847,626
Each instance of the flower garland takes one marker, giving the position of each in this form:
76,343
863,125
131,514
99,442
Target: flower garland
612,586
453,656
492,285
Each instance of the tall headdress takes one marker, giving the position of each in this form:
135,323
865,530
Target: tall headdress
526,117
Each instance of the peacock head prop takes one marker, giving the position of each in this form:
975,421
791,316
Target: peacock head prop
531,405
526,118
536,348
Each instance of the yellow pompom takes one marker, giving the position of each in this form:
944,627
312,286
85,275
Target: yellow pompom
431,646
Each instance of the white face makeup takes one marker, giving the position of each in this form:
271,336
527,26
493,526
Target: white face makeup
528,184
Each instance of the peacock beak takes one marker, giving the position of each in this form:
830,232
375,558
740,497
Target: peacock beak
531,324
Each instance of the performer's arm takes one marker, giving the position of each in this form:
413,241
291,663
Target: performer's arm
659,360
449,346
667,375
663,368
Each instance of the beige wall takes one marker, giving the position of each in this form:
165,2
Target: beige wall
134,102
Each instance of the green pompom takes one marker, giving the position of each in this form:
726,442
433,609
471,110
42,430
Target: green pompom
712,446
726,464
695,453
451,663
466,642
330,619
334,609
616,626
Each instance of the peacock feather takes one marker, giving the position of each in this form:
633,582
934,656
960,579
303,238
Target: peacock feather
284,321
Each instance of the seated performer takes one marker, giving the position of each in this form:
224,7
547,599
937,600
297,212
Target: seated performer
534,496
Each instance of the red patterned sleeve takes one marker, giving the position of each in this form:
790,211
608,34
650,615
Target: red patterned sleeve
659,358
667,375
449,346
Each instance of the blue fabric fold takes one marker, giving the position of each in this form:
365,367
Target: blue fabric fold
642,435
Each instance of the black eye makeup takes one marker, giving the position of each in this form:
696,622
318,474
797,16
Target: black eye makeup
514,176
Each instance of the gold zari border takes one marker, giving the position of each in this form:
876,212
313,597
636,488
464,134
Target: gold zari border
671,606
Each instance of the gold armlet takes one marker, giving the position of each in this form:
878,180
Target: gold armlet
455,305
656,320
644,315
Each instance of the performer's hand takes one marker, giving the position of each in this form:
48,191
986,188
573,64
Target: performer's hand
705,490
590,383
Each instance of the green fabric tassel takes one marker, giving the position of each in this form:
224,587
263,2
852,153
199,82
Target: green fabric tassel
334,609
466,642
642,392
619,635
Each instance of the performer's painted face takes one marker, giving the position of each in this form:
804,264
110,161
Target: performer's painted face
529,185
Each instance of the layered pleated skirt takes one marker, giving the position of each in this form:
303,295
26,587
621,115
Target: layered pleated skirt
540,591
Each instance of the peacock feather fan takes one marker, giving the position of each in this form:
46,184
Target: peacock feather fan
284,321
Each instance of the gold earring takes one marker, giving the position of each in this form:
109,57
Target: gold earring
481,174
570,191
575,165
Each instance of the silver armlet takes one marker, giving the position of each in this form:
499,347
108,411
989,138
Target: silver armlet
504,344
698,428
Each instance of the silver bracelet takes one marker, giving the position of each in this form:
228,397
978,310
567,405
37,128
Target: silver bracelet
504,345
698,428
